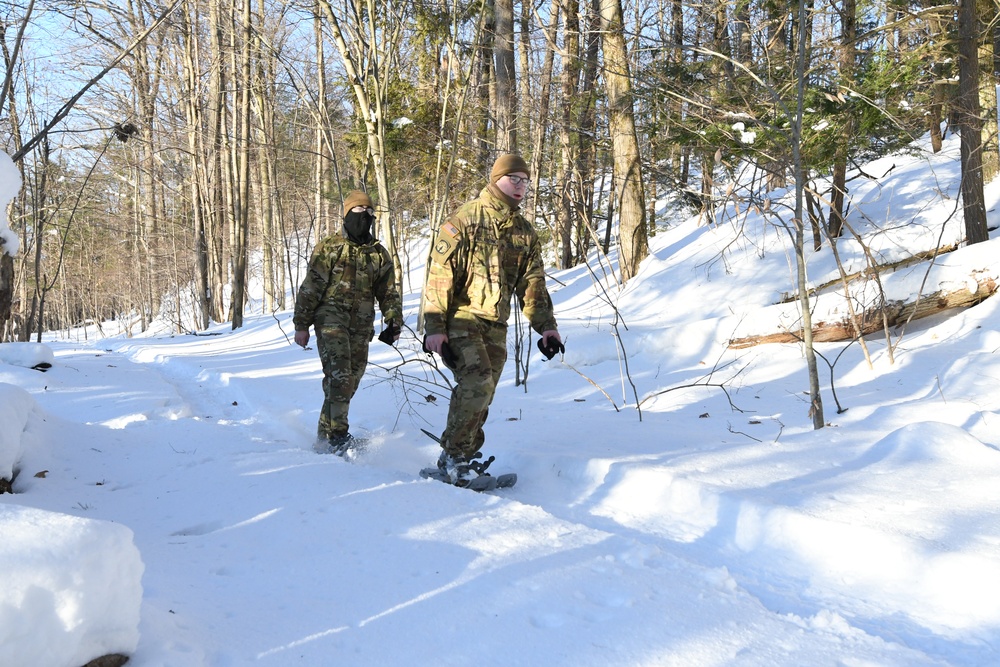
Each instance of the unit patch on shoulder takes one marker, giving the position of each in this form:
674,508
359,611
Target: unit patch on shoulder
446,242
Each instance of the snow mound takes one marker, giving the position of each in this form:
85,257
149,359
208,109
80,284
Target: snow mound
74,583
15,406
935,443
29,355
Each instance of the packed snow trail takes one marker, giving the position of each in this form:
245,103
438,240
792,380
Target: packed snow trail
808,556
259,550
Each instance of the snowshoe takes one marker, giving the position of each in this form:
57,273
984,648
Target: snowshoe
469,473
346,446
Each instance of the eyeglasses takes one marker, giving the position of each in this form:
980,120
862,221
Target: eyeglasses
363,209
517,180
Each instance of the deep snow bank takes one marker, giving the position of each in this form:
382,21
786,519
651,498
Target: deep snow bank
72,587
15,405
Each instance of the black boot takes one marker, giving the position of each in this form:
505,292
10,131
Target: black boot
342,444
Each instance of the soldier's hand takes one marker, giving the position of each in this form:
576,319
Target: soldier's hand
390,334
434,342
439,343
302,338
551,343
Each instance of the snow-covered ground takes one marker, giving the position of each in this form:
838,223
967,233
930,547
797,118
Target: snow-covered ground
714,526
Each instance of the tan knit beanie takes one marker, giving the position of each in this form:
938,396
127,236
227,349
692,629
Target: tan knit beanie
357,198
508,164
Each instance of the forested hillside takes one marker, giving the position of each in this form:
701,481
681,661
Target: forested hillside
172,152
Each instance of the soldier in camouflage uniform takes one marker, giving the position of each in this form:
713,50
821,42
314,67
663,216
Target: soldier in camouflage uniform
347,274
483,255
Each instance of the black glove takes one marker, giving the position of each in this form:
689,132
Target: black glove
390,332
552,348
447,354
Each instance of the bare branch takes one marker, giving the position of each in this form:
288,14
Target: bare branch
9,78
68,106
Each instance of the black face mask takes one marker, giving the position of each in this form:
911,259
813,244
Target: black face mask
359,227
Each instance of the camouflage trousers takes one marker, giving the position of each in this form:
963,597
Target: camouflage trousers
344,355
481,351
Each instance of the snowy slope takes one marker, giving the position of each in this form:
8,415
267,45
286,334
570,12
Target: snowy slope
713,527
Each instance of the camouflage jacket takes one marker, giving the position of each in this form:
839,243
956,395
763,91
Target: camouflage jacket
483,255
342,283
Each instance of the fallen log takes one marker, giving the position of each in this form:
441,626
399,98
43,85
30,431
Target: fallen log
110,660
866,274
893,313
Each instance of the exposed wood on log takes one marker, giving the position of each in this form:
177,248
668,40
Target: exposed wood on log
896,313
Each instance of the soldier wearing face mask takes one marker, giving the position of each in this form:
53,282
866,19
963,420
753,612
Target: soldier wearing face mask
348,273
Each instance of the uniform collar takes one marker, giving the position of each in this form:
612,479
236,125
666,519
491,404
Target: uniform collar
508,203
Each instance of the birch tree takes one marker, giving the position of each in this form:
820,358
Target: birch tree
365,62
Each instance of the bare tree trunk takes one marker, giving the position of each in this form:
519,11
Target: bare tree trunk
656,122
678,160
567,146
34,322
848,50
506,106
196,154
988,92
970,123
240,156
587,148
265,96
6,290
628,184
323,157
611,212
218,171
815,397
779,57
708,188
941,84
145,74
138,249
524,112
483,82
934,119
544,95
